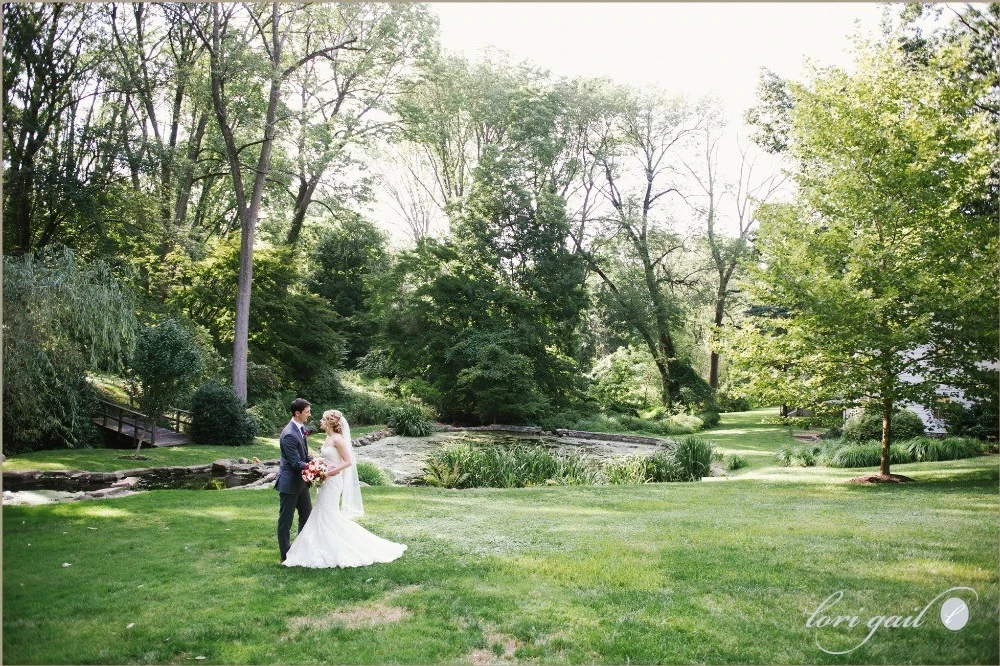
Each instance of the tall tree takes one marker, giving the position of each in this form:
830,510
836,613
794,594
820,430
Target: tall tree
45,61
636,151
345,98
874,264
254,45
726,252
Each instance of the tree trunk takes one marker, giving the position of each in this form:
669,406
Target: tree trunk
242,330
886,435
302,200
19,215
720,310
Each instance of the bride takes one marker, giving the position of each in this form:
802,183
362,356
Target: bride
330,537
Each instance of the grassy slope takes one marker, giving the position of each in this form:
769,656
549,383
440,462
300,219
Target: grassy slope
107,460
723,572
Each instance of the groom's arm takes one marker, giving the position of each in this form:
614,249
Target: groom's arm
290,452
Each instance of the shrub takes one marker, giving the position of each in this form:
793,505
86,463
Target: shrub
659,467
622,381
439,473
980,420
469,466
868,426
727,403
366,409
61,319
736,462
219,417
262,383
799,456
710,418
694,455
326,387
410,421
372,474
868,454
928,449
270,415
165,362
684,424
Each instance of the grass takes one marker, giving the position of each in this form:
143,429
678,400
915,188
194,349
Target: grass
660,573
720,572
741,433
108,460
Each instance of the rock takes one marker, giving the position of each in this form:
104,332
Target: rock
220,467
718,470
608,437
242,461
128,482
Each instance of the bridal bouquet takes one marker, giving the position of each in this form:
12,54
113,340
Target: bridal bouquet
316,469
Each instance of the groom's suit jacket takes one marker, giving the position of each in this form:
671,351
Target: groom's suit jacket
294,458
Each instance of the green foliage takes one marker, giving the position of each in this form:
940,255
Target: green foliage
868,454
694,455
348,260
498,380
219,417
443,474
62,317
656,468
709,418
929,449
271,415
490,315
367,409
736,462
326,387
868,425
165,363
625,381
409,420
372,474
805,455
295,334
855,281
727,402
980,420
263,383
469,466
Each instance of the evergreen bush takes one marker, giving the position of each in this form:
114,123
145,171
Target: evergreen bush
219,417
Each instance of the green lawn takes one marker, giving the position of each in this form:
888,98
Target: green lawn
109,460
727,571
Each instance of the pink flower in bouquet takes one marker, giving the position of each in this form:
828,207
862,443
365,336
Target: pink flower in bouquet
315,469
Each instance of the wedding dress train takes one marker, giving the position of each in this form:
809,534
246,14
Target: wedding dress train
330,538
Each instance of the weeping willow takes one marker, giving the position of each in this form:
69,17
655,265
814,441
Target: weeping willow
61,318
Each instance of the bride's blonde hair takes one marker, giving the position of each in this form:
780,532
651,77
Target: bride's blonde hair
331,417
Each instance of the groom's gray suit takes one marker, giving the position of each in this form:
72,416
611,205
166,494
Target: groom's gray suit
294,491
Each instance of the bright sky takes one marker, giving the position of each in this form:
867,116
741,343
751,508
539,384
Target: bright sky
692,49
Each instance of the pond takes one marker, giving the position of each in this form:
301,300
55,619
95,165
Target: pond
404,457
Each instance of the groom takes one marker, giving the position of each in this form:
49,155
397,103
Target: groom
294,458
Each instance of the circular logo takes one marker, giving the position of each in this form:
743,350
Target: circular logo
954,613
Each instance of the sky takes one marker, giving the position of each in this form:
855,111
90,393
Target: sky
694,49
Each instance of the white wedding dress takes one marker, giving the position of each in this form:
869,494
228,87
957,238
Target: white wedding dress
330,538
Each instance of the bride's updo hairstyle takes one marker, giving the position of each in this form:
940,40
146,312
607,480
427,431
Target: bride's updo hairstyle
331,419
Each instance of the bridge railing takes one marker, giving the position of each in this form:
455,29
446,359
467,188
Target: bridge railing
120,416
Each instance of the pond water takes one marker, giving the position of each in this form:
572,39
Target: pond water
405,457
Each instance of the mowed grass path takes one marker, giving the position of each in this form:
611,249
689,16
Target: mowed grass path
720,572
110,460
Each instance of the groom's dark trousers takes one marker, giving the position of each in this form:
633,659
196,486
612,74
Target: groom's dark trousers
294,492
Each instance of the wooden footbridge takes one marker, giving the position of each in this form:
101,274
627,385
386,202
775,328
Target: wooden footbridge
130,424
